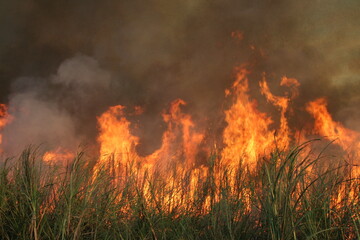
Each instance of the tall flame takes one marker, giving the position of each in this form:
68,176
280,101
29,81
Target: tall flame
283,135
247,134
347,139
180,141
116,140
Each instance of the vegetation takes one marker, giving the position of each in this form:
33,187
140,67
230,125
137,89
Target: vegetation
288,195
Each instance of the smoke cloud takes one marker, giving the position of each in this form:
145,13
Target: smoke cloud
62,63
50,112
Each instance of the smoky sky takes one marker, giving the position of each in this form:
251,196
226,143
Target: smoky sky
67,61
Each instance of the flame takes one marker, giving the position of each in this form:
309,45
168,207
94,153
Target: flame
116,140
180,141
347,139
58,155
247,134
283,135
3,115
324,125
5,119
293,84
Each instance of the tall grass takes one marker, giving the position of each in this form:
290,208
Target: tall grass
287,195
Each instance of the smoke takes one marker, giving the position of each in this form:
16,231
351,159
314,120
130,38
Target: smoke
37,122
54,112
82,72
79,57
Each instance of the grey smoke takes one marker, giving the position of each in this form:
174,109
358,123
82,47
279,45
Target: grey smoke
82,71
40,118
37,122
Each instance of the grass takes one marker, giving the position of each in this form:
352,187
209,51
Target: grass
287,195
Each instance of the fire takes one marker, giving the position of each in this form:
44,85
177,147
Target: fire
58,155
179,141
5,118
282,103
347,139
325,125
247,135
3,114
180,144
116,140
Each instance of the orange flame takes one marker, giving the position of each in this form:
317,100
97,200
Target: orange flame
58,155
5,119
179,141
247,134
283,136
116,139
347,139
324,125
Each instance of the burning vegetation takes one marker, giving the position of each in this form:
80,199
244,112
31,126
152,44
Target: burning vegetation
250,173
192,119
248,134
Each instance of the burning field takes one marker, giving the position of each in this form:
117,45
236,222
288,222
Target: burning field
180,120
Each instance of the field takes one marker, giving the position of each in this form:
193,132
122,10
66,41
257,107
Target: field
294,194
